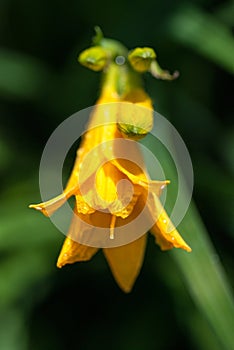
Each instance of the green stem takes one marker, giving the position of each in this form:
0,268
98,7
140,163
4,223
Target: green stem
121,78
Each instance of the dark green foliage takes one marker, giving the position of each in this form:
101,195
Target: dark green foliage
41,84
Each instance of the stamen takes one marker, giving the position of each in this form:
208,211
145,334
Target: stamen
112,226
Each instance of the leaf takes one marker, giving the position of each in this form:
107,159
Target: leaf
206,279
204,34
22,76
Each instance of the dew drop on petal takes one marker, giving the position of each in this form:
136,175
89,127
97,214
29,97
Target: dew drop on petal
120,60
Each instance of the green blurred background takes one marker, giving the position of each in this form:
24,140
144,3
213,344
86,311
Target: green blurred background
41,84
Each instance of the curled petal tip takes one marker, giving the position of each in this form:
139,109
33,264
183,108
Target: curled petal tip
188,249
176,74
160,73
166,182
39,208
35,206
63,259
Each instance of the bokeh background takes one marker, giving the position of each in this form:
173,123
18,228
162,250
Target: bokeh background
41,84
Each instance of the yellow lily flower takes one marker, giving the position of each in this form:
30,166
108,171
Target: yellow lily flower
113,194
105,204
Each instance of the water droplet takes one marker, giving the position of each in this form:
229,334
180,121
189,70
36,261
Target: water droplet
120,60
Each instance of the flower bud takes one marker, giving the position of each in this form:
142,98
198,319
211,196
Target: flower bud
141,58
94,58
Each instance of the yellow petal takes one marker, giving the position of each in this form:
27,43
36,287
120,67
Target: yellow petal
126,261
138,176
122,209
83,207
170,240
165,233
49,207
138,96
73,252
134,120
96,146
118,192
133,170
107,178
80,230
